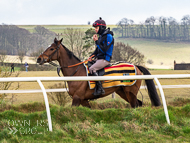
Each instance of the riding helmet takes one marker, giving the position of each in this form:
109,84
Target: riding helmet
102,25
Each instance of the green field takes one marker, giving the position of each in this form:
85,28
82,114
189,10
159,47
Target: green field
59,28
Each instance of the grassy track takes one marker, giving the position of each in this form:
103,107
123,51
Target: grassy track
23,124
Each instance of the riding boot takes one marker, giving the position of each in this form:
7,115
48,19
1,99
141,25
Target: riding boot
99,90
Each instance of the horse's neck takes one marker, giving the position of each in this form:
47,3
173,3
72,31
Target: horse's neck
65,61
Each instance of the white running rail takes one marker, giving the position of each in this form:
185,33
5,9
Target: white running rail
100,78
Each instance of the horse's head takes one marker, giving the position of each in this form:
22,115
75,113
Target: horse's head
51,53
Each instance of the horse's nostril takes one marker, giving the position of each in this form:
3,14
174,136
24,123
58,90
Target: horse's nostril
38,60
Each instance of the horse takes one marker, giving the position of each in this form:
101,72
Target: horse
79,90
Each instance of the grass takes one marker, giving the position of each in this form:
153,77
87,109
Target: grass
79,124
109,120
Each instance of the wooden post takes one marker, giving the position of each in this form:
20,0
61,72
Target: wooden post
113,95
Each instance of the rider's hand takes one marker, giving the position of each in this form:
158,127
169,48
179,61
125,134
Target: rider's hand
90,59
95,37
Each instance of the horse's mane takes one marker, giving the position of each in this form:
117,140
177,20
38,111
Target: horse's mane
70,54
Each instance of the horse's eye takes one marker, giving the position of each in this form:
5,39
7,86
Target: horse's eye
52,49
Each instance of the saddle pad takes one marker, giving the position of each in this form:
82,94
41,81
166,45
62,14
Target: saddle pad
116,69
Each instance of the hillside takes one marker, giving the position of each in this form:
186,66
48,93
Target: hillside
162,53
59,28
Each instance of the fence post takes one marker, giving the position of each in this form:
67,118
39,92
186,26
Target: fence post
113,95
47,104
163,100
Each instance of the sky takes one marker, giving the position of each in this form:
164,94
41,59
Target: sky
79,12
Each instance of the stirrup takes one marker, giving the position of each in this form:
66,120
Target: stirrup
99,90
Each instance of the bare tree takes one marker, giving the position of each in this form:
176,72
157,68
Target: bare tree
185,21
21,55
79,43
163,22
172,27
69,37
152,21
126,53
3,56
147,23
76,39
124,25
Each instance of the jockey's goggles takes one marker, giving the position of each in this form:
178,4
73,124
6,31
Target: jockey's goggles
95,24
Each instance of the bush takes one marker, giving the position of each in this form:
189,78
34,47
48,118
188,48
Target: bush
4,73
150,61
60,98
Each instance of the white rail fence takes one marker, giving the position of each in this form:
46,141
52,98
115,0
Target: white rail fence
100,78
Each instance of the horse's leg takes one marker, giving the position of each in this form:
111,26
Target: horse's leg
76,101
122,94
85,103
132,100
127,96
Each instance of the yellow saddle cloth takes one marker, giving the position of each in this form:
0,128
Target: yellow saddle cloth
116,69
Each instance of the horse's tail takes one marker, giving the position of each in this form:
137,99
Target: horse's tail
151,87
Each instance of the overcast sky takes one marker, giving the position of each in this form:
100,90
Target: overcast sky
62,12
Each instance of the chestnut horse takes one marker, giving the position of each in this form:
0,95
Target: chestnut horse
80,91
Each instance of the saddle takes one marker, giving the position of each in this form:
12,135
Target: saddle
117,69
100,72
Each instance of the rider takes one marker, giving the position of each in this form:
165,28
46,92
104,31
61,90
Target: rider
103,51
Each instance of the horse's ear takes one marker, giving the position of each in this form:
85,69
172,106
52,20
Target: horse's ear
61,40
55,40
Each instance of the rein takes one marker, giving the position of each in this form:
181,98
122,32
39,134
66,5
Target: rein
59,67
71,65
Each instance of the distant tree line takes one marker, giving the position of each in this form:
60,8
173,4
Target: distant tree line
161,28
19,41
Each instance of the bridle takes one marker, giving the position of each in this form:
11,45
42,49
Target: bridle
49,57
58,66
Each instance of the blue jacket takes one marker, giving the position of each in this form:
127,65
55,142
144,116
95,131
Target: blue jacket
104,45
